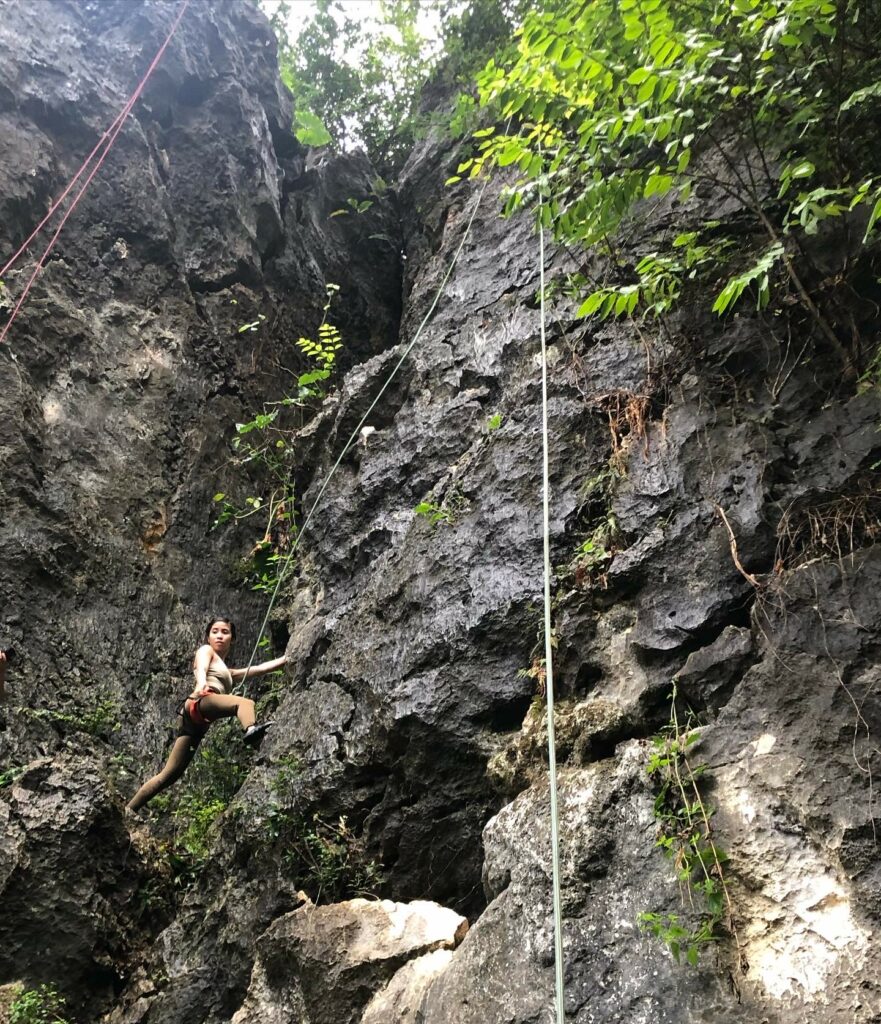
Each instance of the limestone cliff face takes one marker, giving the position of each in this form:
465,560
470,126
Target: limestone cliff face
405,708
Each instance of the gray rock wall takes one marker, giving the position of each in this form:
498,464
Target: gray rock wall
409,707
126,372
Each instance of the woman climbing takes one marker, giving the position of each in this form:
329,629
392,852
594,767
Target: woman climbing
209,701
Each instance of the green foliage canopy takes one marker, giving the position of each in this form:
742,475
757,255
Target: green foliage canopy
620,108
361,83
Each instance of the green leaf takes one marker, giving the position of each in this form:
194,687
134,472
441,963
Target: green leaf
509,154
310,129
873,218
657,184
591,304
312,377
803,170
638,77
860,96
646,90
633,28
757,273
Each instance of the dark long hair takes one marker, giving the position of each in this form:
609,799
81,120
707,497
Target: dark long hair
220,618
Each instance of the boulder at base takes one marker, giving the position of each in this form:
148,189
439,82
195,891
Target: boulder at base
322,965
68,880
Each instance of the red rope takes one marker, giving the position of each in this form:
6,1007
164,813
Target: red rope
64,194
110,137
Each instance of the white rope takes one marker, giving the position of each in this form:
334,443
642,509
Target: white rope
355,433
549,659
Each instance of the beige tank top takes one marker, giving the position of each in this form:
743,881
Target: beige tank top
218,678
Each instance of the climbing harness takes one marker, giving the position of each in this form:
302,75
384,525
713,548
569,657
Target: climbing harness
190,710
107,140
191,707
549,654
549,669
192,722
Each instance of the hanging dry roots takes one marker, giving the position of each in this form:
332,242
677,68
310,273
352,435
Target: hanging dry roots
732,542
628,415
830,529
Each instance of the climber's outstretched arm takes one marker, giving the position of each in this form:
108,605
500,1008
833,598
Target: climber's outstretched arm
258,670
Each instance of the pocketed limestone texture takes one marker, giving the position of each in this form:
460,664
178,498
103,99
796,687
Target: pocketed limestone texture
714,519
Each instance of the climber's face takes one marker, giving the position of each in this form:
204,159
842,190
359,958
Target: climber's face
220,637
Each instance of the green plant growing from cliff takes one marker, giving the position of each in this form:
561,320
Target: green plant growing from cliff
354,206
327,857
448,512
217,772
98,719
322,351
432,512
9,775
619,109
685,837
150,898
42,1005
596,553
537,670
253,325
603,539
194,818
265,446
336,860
289,768
333,860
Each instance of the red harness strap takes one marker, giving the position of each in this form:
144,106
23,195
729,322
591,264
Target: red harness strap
193,709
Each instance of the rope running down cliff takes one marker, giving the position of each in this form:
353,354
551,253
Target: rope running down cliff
552,759
356,432
555,829
107,140
549,654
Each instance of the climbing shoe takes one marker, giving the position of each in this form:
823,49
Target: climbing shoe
254,734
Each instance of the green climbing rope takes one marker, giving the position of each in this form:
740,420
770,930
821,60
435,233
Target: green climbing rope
549,654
